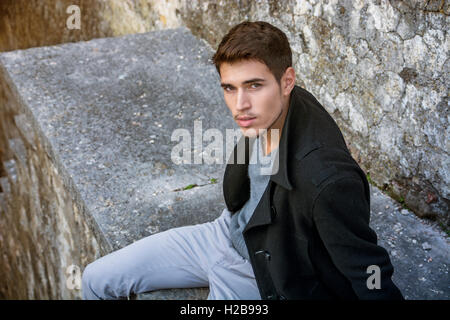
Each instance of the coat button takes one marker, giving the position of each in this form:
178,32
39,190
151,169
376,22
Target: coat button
265,253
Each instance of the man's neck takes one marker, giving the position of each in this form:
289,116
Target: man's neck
267,136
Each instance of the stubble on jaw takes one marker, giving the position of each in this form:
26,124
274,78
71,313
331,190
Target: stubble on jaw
267,131
273,122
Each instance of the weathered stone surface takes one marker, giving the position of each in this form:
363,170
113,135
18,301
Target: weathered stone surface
97,176
380,67
104,112
35,23
419,273
174,294
43,230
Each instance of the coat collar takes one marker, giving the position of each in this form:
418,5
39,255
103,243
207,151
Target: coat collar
282,177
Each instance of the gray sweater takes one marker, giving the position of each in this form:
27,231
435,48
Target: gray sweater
258,182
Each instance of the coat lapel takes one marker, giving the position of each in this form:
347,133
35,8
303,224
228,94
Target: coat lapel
236,183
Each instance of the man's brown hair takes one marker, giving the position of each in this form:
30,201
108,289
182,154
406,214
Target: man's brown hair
257,40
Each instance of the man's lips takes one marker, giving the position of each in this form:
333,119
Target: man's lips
245,121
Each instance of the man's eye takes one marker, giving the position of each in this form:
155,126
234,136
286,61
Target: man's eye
255,85
228,88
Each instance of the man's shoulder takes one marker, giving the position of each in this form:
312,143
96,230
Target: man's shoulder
318,152
318,166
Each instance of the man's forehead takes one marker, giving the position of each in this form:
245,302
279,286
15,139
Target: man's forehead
242,72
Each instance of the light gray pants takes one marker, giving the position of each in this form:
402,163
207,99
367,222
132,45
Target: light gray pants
199,255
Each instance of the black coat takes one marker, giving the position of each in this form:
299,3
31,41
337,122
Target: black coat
309,236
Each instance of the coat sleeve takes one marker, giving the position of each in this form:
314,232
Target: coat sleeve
341,213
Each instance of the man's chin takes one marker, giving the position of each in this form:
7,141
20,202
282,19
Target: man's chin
250,132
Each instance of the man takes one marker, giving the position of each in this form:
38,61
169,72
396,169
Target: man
301,232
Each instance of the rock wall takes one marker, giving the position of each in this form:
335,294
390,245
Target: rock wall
379,67
80,177
46,237
34,23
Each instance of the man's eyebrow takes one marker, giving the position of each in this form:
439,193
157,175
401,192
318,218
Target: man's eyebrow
223,84
253,80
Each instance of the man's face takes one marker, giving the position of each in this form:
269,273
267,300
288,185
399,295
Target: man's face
251,92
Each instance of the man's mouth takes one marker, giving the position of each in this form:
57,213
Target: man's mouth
245,121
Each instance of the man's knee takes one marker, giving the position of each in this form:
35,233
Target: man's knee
101,279
97,282
90,280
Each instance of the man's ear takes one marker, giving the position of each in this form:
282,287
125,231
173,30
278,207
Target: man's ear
288,81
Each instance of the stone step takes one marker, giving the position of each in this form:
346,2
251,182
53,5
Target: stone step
174,294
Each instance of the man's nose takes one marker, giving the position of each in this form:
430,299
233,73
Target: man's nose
242,100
